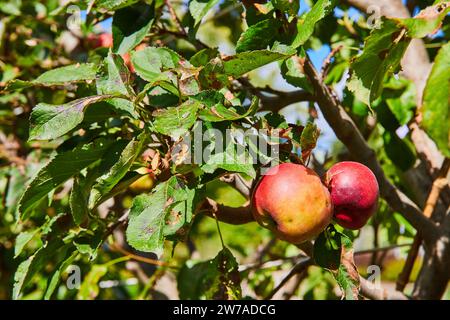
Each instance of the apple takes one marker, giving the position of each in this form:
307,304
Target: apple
354,193
291,201
144,183
102,40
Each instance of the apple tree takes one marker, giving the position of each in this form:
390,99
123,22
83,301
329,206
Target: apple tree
136,137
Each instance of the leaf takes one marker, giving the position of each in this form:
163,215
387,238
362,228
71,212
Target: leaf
89,289
428,21
59,76
175,121
151,61
108,180
243,62
305,27
436,101
213,279
114,4
22,239
115,77
49,121
56,277
259,35
63,75
292,72
162,213
61,168
347,275
327,249
28,268
217,109
128,35
234,158
291,7
78,200
400,98
203,56
381,56
199,8
308,139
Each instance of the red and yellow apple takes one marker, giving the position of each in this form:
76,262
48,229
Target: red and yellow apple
291,201
354,193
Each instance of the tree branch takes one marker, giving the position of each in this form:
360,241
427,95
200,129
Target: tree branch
346,130
438,184
368,290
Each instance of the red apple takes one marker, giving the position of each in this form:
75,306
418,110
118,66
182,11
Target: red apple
102,40
291,201
354,193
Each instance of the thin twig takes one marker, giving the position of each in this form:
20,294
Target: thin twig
154,262
327,62
439,183
175,18
297,269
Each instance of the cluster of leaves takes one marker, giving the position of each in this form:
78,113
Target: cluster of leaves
100,115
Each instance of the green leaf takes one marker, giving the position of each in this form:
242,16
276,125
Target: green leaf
202,57
217,109
61,168
259,35
89,289
327,249
63,75
115,77
128,35
305,27
175,121
292,72
56,277
291,7
243,62
436,101
49,121
381,56
308,139
427,21
28,268
22,239
213,279
114,4
151,61
400,98
78,200
162,213
234,157
59,76
199,8
107,181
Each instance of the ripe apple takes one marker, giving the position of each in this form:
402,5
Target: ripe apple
354,193
291,201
